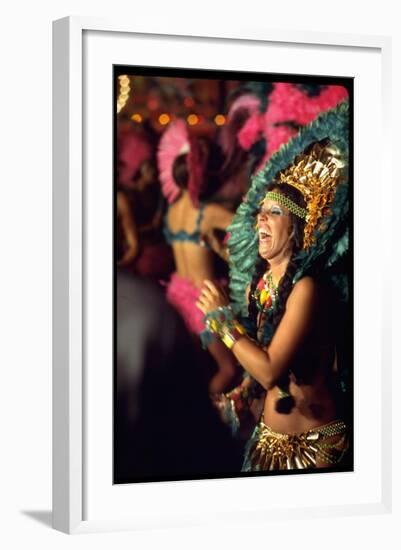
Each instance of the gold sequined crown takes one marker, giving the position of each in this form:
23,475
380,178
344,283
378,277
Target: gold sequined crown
316,174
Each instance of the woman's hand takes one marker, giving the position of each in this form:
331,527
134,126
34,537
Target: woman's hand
211,297
128,257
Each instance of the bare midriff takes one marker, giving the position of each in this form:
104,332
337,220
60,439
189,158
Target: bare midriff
313,407
309,386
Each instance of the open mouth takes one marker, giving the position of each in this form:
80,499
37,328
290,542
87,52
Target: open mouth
264,235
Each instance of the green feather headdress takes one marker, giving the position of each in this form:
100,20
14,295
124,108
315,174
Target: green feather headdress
330,243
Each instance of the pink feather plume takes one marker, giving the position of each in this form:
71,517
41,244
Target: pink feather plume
174,142
287,103
133,150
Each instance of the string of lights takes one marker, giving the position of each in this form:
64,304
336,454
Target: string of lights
125,89
192,119
160,101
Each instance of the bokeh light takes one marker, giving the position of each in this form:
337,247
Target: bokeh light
192,119
153,104
124,92
164,119
189,101
220,120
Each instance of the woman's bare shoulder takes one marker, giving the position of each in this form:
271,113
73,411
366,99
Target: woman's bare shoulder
216,213
306,290
306,284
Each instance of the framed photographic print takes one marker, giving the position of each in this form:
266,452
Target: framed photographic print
212,201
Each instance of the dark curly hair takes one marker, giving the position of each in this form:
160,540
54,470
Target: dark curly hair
210,156
180,171
286,403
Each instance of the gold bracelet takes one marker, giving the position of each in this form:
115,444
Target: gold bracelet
232,334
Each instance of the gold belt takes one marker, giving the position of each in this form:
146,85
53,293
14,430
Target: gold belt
277,451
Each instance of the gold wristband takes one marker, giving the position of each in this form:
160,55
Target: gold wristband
232,334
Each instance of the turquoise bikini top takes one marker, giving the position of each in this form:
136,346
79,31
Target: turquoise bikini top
182,235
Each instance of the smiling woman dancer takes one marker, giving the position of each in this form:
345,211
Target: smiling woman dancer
290,271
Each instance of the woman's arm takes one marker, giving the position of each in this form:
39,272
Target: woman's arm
217,246
216,217
267,365
129,230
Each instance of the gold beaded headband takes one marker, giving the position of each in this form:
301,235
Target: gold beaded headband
316,174
288,203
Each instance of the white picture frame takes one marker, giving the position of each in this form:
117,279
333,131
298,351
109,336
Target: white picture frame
80,45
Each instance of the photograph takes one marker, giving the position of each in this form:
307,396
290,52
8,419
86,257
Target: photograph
233,320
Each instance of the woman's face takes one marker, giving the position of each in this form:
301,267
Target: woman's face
274,227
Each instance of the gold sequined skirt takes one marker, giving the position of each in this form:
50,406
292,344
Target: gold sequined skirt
322,446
